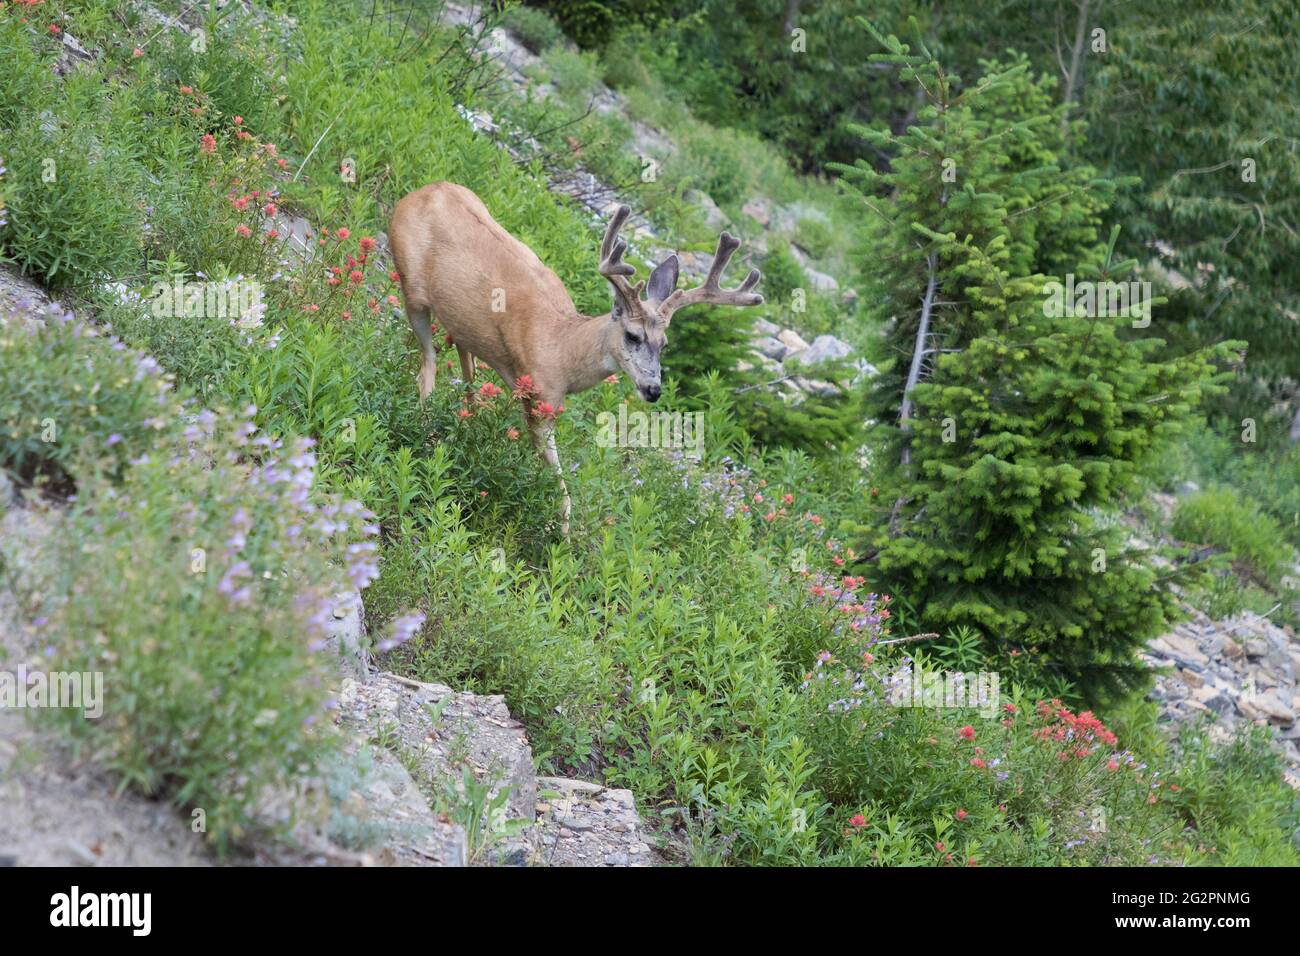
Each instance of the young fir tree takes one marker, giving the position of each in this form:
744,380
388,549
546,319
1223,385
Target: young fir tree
1005,432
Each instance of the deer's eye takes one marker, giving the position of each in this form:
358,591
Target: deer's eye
631,339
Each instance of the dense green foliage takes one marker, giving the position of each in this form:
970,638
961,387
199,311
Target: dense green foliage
1025,424
710,636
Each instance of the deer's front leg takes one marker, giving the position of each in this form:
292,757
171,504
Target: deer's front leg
543,433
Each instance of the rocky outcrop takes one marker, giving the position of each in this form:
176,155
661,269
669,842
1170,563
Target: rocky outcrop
437,731
1239,670
585,824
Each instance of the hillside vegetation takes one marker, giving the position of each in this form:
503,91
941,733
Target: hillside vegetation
720,633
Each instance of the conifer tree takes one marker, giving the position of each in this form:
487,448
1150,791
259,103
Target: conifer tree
1007,430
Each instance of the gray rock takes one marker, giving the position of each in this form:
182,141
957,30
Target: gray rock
801,256
652,144
1214,699
771,348
760,210
865,371
586,824
71,53
377,808
792,340
816,386
694,264
1268,707
509,52
821,281
785,219
824,348
346,637
469,729
714,217
1181,648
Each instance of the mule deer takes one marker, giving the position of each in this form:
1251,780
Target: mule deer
498,302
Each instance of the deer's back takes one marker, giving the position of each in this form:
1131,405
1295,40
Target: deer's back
455,259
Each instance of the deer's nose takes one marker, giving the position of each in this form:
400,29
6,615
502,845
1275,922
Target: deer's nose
652,393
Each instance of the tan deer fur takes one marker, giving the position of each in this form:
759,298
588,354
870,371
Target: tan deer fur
498,302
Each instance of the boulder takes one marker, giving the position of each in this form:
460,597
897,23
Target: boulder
346,635
824,348
1268,707
580,823
792,340
821,281
816,386
770,348
714,217
440,731
1213,698
759,210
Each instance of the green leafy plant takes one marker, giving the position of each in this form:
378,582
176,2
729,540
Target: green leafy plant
1222,518
535,28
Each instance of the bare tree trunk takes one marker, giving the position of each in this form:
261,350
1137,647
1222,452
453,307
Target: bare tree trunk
791,12
1072,76
918,356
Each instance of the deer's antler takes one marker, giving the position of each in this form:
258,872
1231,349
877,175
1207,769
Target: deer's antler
612,266
711,292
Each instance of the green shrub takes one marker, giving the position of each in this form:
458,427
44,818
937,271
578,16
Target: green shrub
203,586
491,627
575,73
1234,794
535,28
716,162
72,396
782,274
815,235
30,81
622,61
1223,518
73,195
1001,467
592,22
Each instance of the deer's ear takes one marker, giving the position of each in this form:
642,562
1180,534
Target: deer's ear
663,280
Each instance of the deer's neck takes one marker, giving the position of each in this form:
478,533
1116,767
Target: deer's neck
590,342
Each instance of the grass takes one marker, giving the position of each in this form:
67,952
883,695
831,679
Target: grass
697,640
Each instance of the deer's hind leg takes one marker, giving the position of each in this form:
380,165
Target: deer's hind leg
421,325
